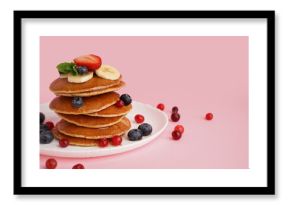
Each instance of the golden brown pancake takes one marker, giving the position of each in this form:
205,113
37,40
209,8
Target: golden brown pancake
93,133
89,121
94,92
74,140
61,85
91,104
112,111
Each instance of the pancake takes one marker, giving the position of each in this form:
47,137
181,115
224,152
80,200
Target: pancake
89,121
74,140
92,104
93,133
61,85
94,92
112,111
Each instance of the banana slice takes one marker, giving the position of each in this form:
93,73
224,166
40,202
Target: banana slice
63,75
80,78
108,72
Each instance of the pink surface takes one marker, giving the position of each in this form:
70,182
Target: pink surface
197,74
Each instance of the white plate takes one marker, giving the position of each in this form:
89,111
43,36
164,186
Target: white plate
153,116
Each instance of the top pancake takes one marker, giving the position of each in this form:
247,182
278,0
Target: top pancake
91,104
61,85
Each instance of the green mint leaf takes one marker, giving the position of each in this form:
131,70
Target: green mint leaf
74,71
66,67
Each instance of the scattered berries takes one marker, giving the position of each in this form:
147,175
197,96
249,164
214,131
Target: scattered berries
103,142
135,134
161,106
119,103
51,163
175,117
175,109
77,102
179,128
78,166
209,116
63,142
146,129
49,125
41,117
42,127
46,136
176,135
139,118
126,99
116,140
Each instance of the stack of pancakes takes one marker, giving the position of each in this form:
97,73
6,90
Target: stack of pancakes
97,118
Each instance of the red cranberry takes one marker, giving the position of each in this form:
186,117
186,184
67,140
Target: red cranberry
209,116
175,117
175,109
51,163
103,142
49,125
63,142
139,118
119,103
161,106
78,166
116,140
179,128
176,135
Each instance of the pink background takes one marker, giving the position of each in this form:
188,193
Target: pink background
197,74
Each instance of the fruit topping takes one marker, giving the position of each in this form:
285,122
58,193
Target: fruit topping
82,70
108,72
126,99
145,128
209,116
179,128
63,142
77,102
175,109
176,135
66,68
63,75
46,137
41,117
135,134
91,61
80,78
120,103
103,142
78,166
139,118
49,125
116,140
175,117
51,163
161,106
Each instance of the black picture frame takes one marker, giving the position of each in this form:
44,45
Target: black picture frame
268,190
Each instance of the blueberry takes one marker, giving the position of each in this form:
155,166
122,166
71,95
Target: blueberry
82,70
126,99
77,102
134,135
42,117
46,137
145,128
42,128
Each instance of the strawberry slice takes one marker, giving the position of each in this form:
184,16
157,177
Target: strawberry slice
91,61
